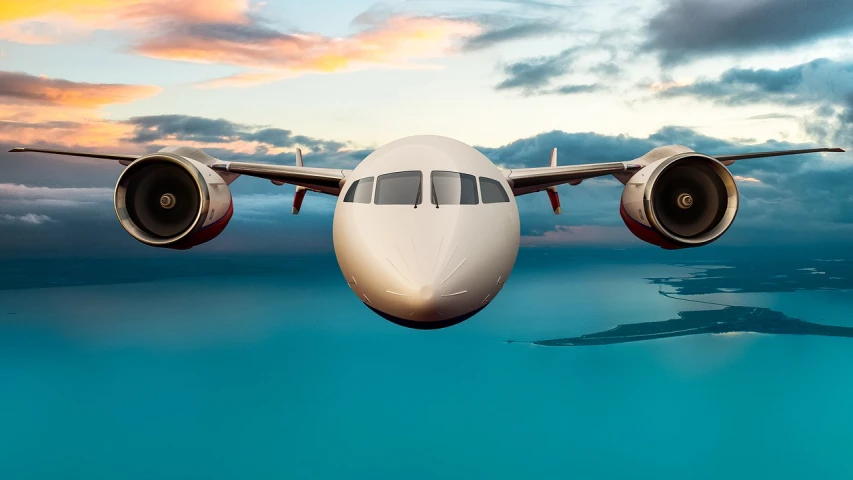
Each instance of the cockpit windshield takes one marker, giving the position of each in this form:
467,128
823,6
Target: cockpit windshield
360,191
452,188
400,188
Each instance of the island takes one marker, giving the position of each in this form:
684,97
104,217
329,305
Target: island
698,322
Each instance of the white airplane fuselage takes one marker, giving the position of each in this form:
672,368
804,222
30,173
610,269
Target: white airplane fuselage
419,264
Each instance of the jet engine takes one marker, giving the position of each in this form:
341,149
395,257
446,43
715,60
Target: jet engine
171,201
682,201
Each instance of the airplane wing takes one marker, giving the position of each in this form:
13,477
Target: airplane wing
323,180
529,180
105,156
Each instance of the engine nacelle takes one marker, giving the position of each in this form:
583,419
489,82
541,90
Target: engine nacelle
171,201
686,200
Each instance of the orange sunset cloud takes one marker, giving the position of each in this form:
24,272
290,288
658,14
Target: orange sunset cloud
229,32
51,21
21,88
395,43
35,110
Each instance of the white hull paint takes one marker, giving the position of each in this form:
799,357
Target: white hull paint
426,266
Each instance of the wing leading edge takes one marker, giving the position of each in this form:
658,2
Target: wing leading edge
529,180
524,180
323,180
105,156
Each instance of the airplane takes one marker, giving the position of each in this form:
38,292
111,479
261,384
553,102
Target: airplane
426,228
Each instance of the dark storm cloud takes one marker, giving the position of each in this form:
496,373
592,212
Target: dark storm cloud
535,73
686,29
517,31
159,128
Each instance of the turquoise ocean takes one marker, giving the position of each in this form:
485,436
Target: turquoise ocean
231,369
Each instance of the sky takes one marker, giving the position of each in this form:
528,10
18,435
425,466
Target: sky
253,81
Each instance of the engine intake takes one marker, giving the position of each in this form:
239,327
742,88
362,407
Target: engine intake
167,200
686,200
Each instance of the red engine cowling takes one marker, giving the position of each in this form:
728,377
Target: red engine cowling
171,201
686,200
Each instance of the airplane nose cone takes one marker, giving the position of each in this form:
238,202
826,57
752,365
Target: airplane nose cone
426,295
426,304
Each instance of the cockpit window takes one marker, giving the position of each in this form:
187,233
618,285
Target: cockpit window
400,188
492,191
452,188
360,191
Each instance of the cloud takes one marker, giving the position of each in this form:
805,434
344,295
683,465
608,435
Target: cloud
821,80
233,32
27,219
536,75
38,110
506,33
22,88
741,178
824,84
183,127
688,29
219,137
579,235
244,79
536,4
607,69
773,116
23,195
577,89
221,133
394,42
57,20
344,158
91,134
532,74
589,147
